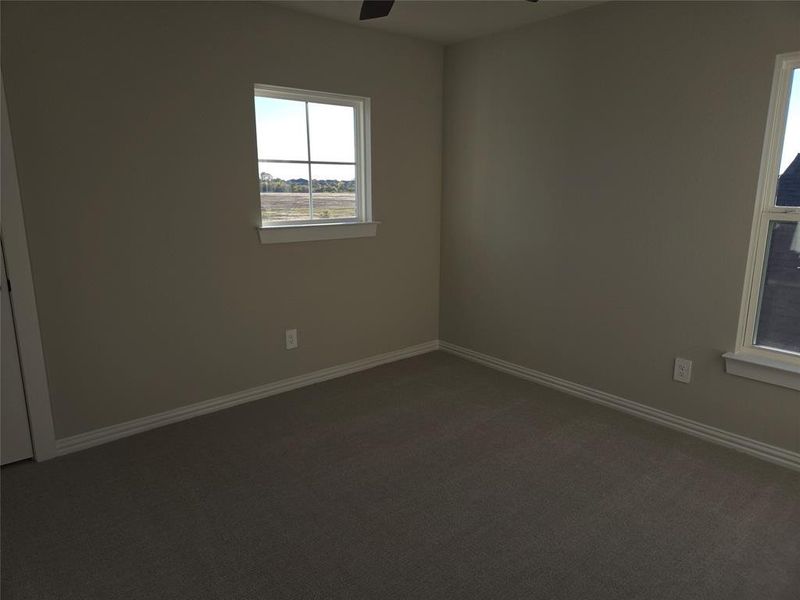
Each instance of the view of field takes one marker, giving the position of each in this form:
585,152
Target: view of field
288,206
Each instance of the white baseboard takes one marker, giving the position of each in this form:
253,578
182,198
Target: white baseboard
773,454
121,430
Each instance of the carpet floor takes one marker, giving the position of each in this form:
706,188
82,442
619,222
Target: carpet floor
427,478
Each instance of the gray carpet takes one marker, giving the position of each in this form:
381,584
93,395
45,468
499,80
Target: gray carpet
428,478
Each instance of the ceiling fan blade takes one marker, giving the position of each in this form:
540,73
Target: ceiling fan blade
374,9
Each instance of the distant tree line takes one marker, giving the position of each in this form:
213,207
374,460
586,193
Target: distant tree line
268,183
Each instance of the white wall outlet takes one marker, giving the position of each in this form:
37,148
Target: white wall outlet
683,370
291,339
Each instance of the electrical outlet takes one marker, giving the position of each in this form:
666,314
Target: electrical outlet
291,339
683,370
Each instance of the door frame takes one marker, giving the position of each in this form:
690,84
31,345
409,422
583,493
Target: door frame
26,318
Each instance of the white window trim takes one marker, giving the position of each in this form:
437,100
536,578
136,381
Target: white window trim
748,360
309,230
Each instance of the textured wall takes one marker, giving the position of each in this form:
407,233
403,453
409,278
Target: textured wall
135,144
600,174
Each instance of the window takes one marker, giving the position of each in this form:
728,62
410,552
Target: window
768,347
313,164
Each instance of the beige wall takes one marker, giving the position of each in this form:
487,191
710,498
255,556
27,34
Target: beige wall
134,137
600,172
599,181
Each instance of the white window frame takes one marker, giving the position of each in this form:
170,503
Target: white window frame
776,366
362,224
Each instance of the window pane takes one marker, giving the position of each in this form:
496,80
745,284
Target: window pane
281,129
334,188
779,312
788,192
332,132
284,191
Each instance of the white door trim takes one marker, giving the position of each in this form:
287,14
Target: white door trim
26,319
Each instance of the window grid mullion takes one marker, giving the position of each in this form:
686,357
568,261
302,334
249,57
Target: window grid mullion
310,185
302,162
781,216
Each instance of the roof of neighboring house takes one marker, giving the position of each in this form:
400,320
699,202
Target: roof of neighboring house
788,193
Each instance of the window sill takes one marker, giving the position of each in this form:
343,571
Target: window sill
283,234
768,370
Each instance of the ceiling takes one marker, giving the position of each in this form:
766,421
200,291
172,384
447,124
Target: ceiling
442,21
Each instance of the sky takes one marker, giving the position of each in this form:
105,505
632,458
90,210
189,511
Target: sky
281,135
791,140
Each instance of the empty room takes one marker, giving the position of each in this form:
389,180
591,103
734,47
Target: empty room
390,300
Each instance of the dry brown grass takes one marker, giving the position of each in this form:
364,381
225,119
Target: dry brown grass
277,206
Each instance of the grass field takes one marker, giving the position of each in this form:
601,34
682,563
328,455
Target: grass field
277,206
